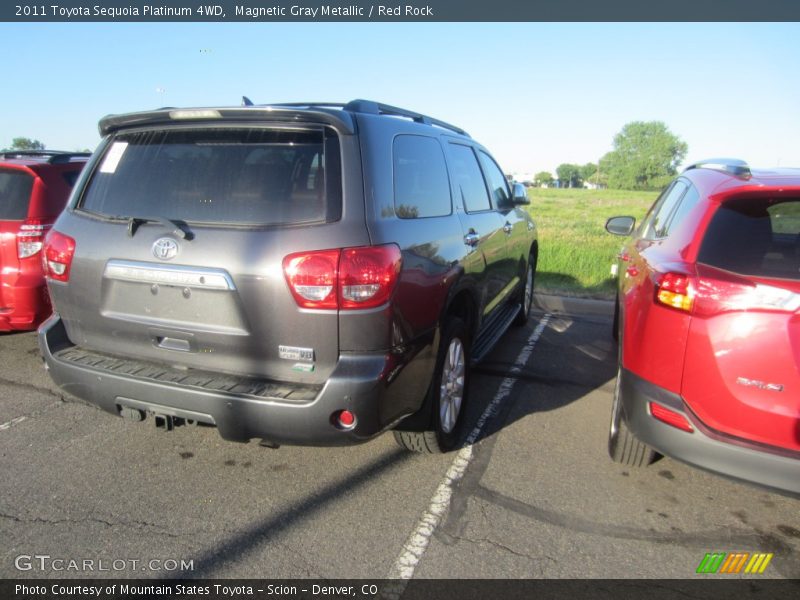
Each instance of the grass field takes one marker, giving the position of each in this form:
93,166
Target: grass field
575,251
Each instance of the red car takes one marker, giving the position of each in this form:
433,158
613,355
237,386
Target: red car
708,319
34,187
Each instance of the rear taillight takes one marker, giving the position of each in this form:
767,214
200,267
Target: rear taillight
312,278
675,290
719,292
367,275
714,291
59,249
30,238
346,279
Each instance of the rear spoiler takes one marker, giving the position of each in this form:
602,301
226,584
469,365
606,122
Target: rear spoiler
340,120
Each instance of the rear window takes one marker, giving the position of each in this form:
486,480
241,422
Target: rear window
238,176
758,237
15,192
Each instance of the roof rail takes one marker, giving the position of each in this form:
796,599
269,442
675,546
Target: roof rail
733,166
52,156
376,108
309,104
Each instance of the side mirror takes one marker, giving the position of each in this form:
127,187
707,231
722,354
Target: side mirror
620,225
520,195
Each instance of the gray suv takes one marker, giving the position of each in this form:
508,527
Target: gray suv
297,273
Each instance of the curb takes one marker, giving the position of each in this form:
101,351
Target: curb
565,305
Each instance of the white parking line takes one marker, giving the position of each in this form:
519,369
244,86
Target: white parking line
11,423
418,541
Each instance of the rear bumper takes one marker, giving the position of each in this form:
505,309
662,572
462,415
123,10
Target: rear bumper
27,305
699,448
360,383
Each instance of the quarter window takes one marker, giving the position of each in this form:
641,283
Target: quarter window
421,185
15,191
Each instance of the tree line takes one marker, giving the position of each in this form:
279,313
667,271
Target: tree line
646,156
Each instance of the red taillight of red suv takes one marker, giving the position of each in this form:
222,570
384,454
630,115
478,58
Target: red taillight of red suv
345,279
715,291
675,290
30,238
59,249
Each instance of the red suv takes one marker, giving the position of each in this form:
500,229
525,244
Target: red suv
708,318
34,187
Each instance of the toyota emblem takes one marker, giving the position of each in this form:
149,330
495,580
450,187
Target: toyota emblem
165,248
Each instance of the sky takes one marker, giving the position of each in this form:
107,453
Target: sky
536,94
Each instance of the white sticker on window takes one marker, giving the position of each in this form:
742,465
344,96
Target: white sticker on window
113,156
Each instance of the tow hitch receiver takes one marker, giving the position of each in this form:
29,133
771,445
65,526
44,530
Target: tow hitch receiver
164,422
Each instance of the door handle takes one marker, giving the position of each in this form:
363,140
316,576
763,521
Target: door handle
508,228
472,238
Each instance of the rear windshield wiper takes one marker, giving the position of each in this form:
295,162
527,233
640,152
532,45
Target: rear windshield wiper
174,227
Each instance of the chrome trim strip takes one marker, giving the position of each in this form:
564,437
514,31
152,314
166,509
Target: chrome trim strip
192,277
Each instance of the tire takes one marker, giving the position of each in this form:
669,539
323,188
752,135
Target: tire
447,394
623,446
526,293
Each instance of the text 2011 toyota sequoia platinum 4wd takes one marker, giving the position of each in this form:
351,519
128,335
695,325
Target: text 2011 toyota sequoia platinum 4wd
307,274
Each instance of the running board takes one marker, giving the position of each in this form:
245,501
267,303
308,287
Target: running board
493,330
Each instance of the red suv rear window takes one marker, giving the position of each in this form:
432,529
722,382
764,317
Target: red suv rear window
15,192
755,236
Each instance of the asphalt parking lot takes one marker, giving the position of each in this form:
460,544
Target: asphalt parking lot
534,497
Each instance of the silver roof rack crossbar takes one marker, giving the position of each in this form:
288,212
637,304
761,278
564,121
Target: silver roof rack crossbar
734,166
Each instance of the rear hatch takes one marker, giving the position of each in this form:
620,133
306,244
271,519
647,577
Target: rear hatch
179,238
742,369
16,185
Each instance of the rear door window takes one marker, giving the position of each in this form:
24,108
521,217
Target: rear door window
469,179
687,203
755,236
15,193
658,225
501,195
223,175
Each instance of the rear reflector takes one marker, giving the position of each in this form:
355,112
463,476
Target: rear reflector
59,250
350,278
670,417
346,419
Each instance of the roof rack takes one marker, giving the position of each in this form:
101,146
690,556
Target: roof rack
370,107
376,108
733,166
51,156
